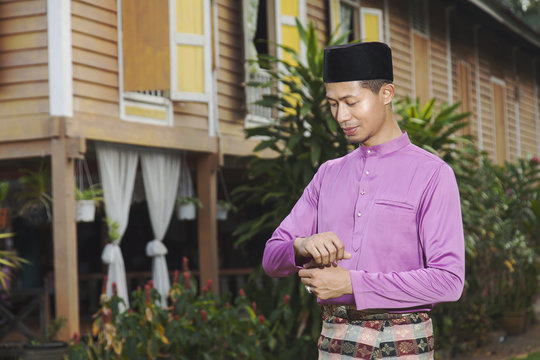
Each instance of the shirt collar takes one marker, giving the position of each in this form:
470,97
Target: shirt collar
385,148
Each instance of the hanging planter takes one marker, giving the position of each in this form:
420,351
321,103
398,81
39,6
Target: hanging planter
223,208
186,207
86,203
85,210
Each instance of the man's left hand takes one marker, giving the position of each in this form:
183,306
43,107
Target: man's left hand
327,282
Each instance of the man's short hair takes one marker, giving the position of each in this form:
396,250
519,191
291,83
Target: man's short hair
374,85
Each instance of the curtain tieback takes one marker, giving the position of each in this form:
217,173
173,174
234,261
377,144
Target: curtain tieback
156,248
111,253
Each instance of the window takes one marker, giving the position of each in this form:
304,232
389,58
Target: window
361,23
464,90
164,55
372,22
262,29
499,109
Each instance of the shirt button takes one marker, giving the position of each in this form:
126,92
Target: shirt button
369,151
367,172
362,192
359,214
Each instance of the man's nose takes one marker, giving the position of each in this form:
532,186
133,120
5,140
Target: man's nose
343,113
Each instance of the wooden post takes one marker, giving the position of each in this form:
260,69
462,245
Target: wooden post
207,221
66,285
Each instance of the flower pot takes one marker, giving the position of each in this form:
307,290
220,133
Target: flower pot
85,210
4,217
47,351
514,323
186,211
221,212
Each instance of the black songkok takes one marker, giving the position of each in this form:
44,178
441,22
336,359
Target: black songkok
358,61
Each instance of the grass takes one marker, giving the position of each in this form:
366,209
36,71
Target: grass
532,356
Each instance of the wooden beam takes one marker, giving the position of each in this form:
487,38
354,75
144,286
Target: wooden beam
207,165
24,149
112,129
66,282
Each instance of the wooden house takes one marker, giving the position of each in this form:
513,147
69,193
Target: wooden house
169,74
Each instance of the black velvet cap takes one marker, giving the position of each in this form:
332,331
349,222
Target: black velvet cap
358,61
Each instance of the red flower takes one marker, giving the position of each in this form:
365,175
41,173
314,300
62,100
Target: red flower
185,266
204,289
204,316
227,305
147,291
242,292
151,283
76,338
131,311
534,161
114,289
286,299
261,319
139,288
209,284
254,306
176,317
176,275
187,283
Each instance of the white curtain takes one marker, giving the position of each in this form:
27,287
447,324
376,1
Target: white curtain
185,186
161,171
117,169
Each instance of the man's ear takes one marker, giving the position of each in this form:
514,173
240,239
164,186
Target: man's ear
387,92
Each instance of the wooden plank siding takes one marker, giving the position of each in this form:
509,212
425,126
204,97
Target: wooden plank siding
95,57
317,13
438,53
400,41
24,88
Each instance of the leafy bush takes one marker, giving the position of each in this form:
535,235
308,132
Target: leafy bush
195,326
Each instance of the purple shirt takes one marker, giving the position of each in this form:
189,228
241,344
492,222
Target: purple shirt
396,208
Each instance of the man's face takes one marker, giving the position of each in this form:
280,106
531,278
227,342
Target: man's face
359,112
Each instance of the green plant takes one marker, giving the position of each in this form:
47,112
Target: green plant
112,230
35,195
94,192
227,205
4,188
189,200
9,261
197,325
51,331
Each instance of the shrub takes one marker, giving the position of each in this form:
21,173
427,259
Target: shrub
197,325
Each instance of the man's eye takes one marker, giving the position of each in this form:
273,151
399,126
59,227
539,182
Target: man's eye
352,104
333,105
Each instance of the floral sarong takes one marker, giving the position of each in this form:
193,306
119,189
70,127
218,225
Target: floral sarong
353,334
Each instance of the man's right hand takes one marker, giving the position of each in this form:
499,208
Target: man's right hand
325,249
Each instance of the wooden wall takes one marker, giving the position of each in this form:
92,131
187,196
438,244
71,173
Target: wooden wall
400,41
24,87
95,57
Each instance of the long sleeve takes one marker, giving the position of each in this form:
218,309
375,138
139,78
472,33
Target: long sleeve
440,232
278,257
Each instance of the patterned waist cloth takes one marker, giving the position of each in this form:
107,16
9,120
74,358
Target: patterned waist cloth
348,333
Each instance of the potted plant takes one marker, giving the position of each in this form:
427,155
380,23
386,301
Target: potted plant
35,195
223,208
87,201
47,347
9,262
186,207
4,212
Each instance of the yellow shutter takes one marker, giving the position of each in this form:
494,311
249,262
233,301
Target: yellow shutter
192,40
500,122
145,45
371,24
289,10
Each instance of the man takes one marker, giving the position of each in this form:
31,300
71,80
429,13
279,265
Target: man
377,235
